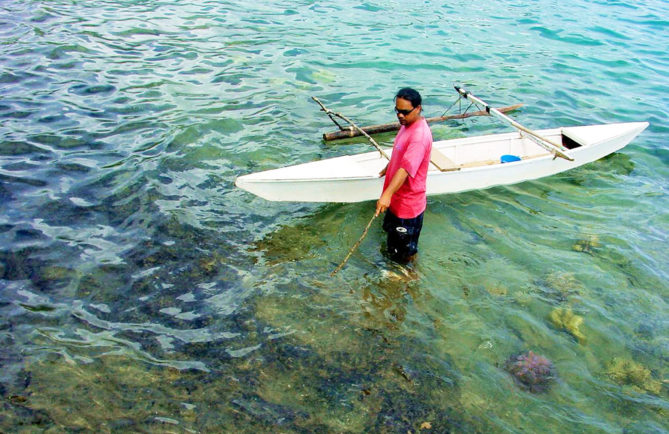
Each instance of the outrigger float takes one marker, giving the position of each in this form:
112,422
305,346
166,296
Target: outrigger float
457,165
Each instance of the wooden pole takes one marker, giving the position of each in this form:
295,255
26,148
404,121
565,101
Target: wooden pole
346,133
545,143
339,115
376,145
355,246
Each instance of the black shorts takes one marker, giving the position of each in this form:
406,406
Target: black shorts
402,235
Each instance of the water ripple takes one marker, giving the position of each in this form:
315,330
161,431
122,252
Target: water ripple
125,243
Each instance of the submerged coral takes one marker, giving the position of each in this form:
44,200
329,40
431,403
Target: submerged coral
630,373
562,285
567,320
587,245
532,371
497,290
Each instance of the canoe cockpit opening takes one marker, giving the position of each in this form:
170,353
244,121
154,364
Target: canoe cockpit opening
569,143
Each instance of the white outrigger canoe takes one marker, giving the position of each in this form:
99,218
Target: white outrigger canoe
457,165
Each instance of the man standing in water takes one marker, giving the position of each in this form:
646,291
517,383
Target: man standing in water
404,187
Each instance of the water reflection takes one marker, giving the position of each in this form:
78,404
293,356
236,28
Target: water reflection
386,299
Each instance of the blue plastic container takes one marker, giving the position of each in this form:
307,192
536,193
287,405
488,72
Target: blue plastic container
509,158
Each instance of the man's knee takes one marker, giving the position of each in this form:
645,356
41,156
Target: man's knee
402,236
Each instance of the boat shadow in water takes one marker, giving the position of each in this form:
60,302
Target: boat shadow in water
604,169
320,241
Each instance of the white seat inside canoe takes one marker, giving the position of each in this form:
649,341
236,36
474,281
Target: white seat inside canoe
442,162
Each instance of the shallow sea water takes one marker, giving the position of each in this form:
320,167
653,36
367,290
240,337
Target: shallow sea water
141,291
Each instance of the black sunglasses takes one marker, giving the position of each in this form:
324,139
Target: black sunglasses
404,112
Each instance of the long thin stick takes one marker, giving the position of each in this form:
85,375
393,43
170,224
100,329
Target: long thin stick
545,143
335,122
355,246
339,115
347,133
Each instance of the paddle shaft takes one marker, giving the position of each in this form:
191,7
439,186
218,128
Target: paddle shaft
545,143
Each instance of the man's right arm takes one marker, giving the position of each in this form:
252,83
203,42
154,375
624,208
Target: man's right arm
384,202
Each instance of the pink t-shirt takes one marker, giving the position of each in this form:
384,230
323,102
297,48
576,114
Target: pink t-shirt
411,152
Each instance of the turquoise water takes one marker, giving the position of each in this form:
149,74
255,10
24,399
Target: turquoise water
141,291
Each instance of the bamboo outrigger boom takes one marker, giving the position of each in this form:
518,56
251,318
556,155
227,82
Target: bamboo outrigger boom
349,132
555,148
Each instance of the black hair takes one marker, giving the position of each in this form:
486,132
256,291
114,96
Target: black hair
410,95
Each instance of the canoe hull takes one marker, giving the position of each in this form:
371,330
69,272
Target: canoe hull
355,178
